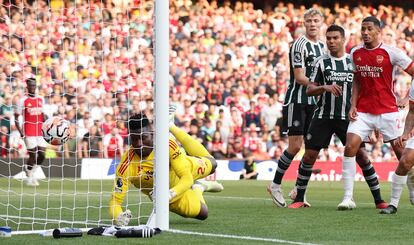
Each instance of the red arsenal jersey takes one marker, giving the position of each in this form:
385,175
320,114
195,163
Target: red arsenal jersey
375,69
32,110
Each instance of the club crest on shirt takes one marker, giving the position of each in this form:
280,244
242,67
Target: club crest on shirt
296,123
380,58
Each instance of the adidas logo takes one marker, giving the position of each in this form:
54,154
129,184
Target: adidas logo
328,67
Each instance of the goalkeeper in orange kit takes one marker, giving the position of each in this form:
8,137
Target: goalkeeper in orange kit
188,164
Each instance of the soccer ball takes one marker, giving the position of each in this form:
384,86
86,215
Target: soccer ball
56,130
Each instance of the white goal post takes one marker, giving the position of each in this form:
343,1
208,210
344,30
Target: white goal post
74,190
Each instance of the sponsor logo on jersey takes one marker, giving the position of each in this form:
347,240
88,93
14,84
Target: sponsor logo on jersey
369,71
34,111
335,76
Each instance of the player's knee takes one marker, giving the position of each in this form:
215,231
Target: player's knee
310,156
203,215
213,164
362,158
405,163
350,150
40,158
294,149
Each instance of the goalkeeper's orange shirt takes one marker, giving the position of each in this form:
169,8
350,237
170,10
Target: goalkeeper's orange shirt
133,170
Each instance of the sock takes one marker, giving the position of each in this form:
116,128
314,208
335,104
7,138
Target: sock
304,173
348,175
192,146
199,194
372,180
282,165
397,186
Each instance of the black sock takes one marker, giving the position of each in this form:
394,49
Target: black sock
372,180
282,165
304,173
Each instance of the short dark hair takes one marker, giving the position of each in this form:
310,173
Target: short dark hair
336,28
30,80
372,19
138,121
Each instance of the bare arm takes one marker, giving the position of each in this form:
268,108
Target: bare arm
315,89
16,122
354,98
409,120
300,77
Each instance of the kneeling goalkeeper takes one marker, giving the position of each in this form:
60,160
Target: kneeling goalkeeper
188,164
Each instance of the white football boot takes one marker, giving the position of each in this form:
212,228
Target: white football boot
208,186
276,193
347,204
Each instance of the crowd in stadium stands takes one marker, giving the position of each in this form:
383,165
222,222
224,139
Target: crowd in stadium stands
229,72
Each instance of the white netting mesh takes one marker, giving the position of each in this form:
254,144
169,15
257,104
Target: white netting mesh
93,64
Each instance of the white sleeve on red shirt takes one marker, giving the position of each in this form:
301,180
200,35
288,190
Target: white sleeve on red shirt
106,139
398,57
20,106
43,105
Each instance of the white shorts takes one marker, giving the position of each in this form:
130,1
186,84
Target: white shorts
410,143
388,124
34,141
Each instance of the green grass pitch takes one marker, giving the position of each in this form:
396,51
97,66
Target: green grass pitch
242,214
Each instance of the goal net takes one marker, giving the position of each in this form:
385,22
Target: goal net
94,64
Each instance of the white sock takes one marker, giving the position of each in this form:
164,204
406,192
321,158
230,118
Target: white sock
274,185
348,175
397,186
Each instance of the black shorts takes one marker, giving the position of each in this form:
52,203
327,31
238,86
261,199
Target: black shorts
321,130
297,118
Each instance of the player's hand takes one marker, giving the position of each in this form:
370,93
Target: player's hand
334,89
123,218
402,102
171,195
400,141
353,114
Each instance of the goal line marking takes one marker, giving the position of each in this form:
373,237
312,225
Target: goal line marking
250,238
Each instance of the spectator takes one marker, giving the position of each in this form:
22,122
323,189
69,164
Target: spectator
217,147
113,144
91,144
249,169
4,140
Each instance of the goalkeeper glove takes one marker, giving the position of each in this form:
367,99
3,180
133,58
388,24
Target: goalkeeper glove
171,195
171,115
123,218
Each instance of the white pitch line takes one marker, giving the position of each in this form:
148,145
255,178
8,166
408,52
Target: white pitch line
250,238
269,199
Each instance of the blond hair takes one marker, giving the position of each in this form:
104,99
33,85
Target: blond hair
312,12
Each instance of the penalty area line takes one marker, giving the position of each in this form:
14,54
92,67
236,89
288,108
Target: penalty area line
250,238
